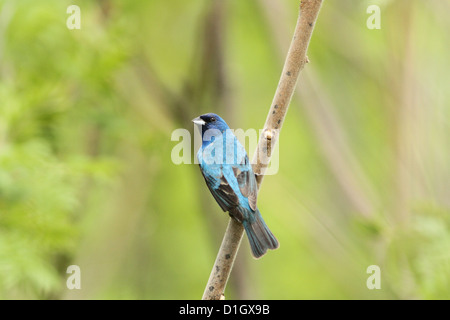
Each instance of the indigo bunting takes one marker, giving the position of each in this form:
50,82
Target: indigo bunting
229,176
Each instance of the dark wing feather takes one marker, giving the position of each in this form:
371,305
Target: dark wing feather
247,182
224,194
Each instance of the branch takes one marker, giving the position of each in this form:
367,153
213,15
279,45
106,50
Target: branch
295,61
326,125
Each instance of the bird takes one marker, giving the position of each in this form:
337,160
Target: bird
229,176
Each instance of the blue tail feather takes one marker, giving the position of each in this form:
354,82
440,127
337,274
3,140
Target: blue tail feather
260,237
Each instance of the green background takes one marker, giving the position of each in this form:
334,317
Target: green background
86,176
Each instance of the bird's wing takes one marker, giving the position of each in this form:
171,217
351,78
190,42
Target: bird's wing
246,178
221,190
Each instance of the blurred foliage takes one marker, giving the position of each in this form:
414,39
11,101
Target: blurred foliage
86,177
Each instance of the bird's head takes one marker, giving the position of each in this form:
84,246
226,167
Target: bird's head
211,121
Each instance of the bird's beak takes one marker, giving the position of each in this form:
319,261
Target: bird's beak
199,121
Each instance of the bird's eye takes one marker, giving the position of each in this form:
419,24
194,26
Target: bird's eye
213,119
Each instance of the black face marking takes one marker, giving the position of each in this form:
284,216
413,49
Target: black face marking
208,118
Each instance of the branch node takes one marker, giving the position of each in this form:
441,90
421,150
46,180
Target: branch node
268,134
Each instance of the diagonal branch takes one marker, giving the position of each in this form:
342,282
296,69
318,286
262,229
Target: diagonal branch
329,132
295,61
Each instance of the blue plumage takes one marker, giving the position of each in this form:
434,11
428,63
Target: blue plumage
229,176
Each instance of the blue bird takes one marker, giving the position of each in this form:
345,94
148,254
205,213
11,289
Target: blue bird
229,176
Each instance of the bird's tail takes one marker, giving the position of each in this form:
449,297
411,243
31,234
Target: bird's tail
259,235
